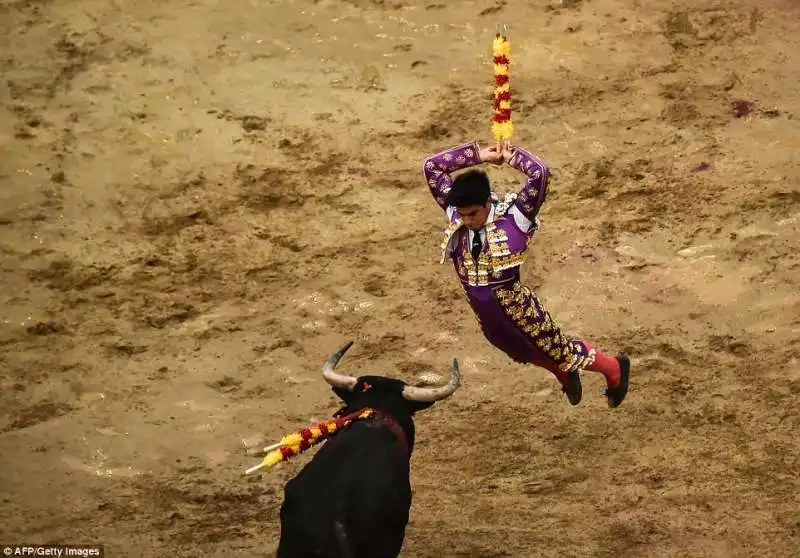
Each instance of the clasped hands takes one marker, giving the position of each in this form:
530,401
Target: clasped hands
497,154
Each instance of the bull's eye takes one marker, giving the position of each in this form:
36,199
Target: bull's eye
366,387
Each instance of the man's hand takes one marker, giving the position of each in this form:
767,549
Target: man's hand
507,151
492,154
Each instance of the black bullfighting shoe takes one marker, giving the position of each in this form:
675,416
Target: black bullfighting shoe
573,389
617,395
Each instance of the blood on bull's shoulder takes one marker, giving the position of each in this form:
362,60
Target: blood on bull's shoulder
352,499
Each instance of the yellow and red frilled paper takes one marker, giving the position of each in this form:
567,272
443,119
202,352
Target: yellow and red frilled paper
502,126
298,442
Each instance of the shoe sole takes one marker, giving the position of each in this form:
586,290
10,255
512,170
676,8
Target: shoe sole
574,389
621,392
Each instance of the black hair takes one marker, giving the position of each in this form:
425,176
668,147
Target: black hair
470,188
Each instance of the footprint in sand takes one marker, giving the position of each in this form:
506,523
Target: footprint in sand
99,464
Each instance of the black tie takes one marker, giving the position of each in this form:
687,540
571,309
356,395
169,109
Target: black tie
477,245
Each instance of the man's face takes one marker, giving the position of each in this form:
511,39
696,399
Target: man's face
474,216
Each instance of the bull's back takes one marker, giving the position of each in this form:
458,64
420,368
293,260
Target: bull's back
358,479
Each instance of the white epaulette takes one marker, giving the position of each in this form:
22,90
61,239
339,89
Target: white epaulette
502,207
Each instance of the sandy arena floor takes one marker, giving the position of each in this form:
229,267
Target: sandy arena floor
201,200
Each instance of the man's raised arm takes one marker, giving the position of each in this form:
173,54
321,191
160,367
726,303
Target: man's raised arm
531,198
438,167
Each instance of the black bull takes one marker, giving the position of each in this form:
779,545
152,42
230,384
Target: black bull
352,500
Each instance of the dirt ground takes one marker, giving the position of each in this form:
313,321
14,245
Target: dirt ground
201,200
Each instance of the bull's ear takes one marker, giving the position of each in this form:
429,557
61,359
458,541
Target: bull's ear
416,406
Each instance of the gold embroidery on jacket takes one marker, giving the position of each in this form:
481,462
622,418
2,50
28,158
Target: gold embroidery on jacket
449,234
491,263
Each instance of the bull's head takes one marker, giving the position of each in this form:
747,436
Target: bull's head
378,391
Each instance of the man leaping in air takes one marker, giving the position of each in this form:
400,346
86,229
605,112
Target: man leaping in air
486,240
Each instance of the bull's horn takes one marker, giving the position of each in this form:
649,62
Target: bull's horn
429,394
335,379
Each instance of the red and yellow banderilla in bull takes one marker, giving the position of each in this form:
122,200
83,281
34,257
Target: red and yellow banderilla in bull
298,442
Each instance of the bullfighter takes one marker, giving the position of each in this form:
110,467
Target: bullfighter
486,240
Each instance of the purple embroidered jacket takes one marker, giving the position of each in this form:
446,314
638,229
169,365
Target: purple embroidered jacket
511,222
